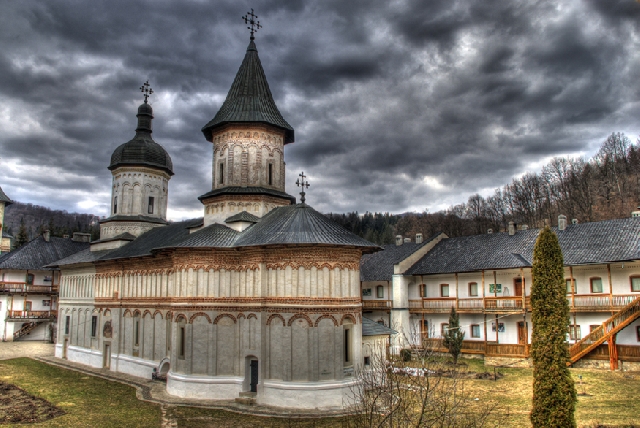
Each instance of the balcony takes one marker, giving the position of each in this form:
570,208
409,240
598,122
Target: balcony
24,288
599,302
503,304
473,305
31,315
376,305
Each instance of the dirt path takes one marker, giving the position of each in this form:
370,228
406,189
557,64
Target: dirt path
9,350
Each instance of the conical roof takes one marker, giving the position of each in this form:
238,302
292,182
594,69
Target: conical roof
4,198
249,99
142,150
300,224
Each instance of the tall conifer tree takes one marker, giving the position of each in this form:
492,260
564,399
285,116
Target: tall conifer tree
554,393
453,336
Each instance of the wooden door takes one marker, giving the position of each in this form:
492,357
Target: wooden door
522,333
517,287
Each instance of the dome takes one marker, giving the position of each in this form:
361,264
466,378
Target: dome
142,150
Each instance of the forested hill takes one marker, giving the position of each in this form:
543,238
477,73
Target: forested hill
36,219
604,187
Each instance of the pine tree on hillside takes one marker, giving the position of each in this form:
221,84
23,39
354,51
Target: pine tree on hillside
22,237
453,336
554,393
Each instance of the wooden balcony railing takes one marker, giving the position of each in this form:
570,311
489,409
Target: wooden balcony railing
20,315
476,303
438,304
600,302
22,287
468,346
503,303
376,304
507,350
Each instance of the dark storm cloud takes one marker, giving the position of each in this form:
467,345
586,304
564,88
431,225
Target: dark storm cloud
405,105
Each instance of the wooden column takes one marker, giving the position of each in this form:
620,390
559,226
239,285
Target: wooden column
524,291
485,333
613,352
573,301
497,341
483,303
610,288
456,274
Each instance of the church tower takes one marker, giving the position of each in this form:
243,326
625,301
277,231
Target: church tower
248,135
141,171
5,243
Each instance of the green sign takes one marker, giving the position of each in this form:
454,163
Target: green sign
492,288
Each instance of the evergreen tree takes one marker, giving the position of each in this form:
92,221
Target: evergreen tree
453,336
554,393
22,237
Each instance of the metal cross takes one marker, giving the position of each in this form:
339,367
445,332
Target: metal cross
250,18
146,90
301,182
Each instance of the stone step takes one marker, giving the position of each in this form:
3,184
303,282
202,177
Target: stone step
248,394
247,401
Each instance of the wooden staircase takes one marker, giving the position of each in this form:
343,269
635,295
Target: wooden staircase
24,330
606,333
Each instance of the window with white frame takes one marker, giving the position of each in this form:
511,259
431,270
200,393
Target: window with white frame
380,292
473,289
444,290
635,284
475,330
596,285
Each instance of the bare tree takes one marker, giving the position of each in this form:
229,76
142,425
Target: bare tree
425,392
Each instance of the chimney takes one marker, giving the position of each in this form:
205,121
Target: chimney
562,222
407,240
574,221
418,238
65,236
46,235
398,240
636,213
81,237
525,227
512,228
489,231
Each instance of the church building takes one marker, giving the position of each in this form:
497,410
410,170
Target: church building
258,300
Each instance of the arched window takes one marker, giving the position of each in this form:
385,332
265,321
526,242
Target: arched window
115,205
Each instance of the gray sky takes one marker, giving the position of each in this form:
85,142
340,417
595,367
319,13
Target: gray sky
396,105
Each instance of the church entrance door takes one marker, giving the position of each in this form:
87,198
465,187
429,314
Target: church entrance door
254,375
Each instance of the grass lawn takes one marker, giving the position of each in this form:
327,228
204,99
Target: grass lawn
611,399
604,397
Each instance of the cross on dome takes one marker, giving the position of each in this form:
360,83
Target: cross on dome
304,184
146,90
250,18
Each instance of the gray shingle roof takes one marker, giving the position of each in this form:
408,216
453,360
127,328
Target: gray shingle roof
215,235
300,224
4,198
158,237
250,190
372,328
84,256
242,216
585,243
249,99
379,266
38,253
134,218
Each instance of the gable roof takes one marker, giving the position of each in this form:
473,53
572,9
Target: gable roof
249,99
38,253
379,266
242,216
372,328
585,243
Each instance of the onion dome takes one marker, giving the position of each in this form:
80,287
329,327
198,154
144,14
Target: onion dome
249,99
142,150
